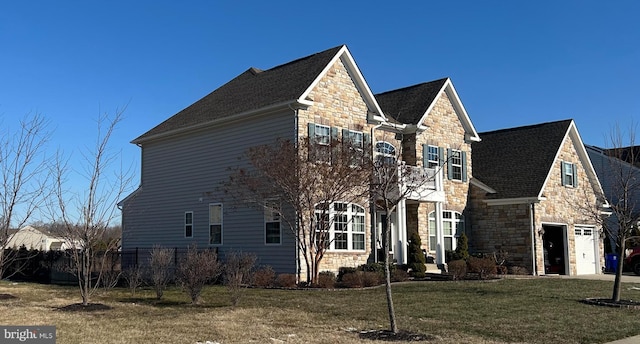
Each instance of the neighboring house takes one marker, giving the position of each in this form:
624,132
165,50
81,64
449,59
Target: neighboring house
531,184
186,158
34,239
613,172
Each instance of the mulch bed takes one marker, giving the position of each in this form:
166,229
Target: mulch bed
7,297
388,336
79,307
630,304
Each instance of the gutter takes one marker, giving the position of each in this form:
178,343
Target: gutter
534,260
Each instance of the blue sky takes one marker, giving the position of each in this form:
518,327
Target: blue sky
512,62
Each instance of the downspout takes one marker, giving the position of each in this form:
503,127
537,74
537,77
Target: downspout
534,260
297,223
372,204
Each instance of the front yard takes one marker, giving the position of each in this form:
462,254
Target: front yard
538,310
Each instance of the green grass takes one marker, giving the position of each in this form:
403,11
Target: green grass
539,310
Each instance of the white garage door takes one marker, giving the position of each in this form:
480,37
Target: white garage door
585,251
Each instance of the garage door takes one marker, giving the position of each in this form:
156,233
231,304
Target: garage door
585,251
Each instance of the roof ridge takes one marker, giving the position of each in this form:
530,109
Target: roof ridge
523,127
306,57
413,86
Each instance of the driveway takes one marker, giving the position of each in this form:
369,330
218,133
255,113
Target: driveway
627,277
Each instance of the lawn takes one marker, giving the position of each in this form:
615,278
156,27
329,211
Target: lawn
538,310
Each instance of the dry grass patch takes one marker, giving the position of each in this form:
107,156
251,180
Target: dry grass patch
506,311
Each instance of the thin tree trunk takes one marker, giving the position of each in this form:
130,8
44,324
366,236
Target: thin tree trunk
617,282
387,273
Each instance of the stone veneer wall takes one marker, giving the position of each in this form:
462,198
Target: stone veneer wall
507,227
444,130
338,103
563,204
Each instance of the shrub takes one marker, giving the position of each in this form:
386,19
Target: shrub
237,272
458,269
501,270
326,279
518,270
286,281
264,277
352,280
197,269
133,278
160,263
399,275
484,267
416,257
371,278
372,267
345,270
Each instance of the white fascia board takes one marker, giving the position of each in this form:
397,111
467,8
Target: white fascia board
344,55
471,135
584,156
481,185
507,201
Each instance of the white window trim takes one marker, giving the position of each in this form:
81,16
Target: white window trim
456,153
221,223
350,213
317,135
573,173
430,162
385,144
269,217
454,228
188,224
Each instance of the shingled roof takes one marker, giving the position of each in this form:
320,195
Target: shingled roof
254,89
408,105
515,162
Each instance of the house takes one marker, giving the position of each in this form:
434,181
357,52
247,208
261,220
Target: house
185,158
532,184
618,171
34,239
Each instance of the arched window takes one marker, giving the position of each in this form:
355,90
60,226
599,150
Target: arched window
385,152
341,225
452,227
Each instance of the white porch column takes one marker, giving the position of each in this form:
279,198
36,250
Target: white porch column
401,228
439,236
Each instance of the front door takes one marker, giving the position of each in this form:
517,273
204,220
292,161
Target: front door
382,226
554,249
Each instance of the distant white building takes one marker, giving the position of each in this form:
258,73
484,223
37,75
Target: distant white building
32,238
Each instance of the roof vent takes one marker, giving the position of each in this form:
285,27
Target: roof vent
255,71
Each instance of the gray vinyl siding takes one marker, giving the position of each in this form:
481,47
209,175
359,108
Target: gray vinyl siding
186,172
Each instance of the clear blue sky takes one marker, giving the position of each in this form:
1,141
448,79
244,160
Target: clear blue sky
512,62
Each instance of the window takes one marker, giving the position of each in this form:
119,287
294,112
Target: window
455,164
215,224
354,142
340,226
188,224
433,156
320,142
569,174
272,234
452,227
385,152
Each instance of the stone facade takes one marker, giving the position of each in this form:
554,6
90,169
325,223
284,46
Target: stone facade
337,102
509,227
444,130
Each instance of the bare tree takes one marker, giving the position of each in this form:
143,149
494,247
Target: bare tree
197,269
392,182
87,215
237,272
24,183
298,182
620,178
160,260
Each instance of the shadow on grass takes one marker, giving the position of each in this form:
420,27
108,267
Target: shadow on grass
162,303
79,307
400,336
7,297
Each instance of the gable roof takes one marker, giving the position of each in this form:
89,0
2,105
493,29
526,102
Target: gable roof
257,89
516,162
411,105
